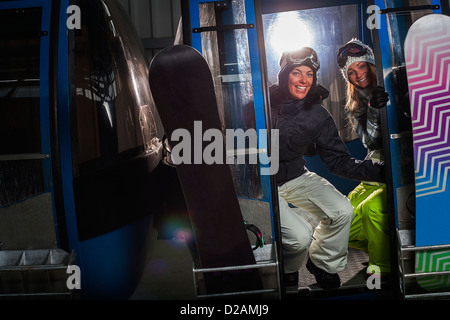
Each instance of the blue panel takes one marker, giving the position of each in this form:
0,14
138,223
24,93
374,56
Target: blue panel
437,2
434,229
260,117
112,260
64,132
394,146
44,95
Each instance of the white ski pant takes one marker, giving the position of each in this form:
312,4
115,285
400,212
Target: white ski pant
328,243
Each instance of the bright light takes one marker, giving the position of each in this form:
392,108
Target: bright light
289,32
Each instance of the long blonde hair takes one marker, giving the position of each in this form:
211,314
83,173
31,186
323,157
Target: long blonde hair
352,100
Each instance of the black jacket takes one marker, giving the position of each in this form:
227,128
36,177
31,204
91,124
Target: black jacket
306,123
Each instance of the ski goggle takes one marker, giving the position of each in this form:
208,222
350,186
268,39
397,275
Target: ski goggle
301,57
350,50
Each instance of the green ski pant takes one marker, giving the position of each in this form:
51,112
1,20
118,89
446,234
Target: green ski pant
370,229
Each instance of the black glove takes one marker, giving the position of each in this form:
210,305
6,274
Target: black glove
379,98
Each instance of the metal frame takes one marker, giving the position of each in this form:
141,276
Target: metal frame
266,257
406,271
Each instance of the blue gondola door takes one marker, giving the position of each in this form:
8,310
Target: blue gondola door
26,188
225,32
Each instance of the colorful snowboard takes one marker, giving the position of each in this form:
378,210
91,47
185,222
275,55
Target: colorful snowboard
427,53
183,91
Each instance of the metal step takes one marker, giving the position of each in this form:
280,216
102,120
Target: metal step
33,273
267,264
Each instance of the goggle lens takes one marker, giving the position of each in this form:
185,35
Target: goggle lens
298,57
352,50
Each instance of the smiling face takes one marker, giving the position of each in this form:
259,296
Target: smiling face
300,81
358,74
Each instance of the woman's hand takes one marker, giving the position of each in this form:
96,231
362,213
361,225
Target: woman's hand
379,98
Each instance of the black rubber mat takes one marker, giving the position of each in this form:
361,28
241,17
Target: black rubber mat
353,275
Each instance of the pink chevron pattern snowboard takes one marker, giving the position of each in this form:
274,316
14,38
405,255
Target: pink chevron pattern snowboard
427,63
427,53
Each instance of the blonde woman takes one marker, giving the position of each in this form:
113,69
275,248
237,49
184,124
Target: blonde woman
369,230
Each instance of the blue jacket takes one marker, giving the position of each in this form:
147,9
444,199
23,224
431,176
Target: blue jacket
305,127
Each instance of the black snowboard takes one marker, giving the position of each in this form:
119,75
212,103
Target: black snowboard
183,91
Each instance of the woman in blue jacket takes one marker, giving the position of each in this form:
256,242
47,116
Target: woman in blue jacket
305,125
